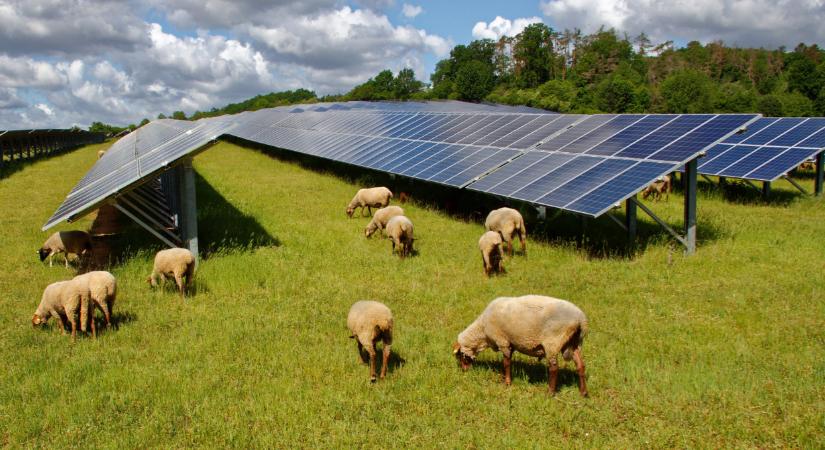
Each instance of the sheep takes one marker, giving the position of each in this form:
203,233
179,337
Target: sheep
368,322
63,298
100,153
377,197
400,231
508,221
174,262
808,166
491,252
100,288
661,185
533,325
380,219
75,241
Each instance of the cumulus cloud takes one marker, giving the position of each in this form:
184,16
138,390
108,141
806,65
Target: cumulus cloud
411,11
750,23
66,63
500,26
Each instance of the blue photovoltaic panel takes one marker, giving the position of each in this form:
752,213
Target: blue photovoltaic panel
769,149
486,147
616,190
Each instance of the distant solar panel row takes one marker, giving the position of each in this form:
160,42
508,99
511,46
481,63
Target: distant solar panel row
576,162
769,149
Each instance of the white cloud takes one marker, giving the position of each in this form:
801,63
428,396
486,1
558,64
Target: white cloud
411,11
500,26
745,23
45,108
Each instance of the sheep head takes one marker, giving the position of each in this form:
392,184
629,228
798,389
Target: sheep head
350,211
463,358
44,253
37,320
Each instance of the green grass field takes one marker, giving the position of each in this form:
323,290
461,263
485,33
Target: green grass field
724,349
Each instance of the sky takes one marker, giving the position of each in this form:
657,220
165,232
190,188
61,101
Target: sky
67,63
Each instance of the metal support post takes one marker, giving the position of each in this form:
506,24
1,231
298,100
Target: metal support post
820,157
188,221
630,219
690,206
766,189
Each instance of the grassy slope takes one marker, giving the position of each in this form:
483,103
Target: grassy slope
724,349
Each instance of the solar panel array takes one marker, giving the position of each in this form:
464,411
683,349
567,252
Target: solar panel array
770,148
580,163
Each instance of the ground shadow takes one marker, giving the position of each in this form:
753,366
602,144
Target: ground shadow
221,228
597,238
10,167
742,193
395,361
117,318
535,371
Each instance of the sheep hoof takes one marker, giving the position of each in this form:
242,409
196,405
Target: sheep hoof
372,379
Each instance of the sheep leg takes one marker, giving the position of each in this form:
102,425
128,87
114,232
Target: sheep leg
73,321
553,374
66,259
507,366
577,356
386,360
523,243
179,282
485,265
371,351
51,258
62,324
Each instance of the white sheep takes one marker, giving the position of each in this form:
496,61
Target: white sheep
400,231
491,253
380,219
507,222
100,153
174,262
368,322
533,325
75,241
63,299
100,287
657,188
377,197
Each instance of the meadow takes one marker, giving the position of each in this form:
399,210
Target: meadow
722,349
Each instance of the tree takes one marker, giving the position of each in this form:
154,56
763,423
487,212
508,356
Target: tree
473,81
161,116
143,122
179,115
687,91
405,84
533,55
616,95
770,106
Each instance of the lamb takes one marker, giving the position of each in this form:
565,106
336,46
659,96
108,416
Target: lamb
173,262
75,241
661,185
100,288
368,322
100,153
491,252
507,222
377,197
381,217
533,325
62,299
400,231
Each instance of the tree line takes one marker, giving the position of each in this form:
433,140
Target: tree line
603,72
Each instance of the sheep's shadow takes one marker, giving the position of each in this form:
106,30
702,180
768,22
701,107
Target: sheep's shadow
197,286
535,371
117,319
396,360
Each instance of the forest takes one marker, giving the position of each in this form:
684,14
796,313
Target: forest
603,72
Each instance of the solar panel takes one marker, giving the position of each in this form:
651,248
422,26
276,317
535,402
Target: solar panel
770,148
570,161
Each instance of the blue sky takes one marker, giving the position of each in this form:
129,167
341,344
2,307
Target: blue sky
71,62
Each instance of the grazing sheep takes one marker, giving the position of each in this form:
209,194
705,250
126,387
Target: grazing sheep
400,231
76,241
491,253
533,325
368,322
381,217
61,299
808,166
173,262
377,197
100,287
507,222
661,185
100,153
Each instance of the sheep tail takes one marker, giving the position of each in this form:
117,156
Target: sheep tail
575,341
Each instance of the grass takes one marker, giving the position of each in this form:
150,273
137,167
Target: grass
722,349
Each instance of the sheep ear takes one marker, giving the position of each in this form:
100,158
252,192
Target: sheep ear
456,348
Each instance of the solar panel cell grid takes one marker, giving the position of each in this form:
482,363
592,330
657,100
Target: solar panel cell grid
587,181
631,134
